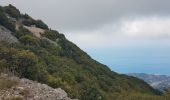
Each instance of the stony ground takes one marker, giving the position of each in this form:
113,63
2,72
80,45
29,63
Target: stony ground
36,31
25,89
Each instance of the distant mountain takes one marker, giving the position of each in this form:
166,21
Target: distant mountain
159,82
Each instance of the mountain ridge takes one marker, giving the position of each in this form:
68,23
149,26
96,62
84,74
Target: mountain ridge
160,82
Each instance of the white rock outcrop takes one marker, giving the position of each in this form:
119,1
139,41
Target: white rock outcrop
31,90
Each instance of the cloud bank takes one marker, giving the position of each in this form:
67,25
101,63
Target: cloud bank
70,15
132,31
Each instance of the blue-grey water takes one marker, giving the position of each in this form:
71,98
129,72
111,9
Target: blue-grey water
154,60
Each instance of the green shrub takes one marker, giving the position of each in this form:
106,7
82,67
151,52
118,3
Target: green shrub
12,11
28,21
52,35
41,24
26,16
25,63
21,32
29,40
92,94
4,21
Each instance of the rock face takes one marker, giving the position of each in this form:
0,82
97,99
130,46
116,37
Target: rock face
30,90
36,31
5,35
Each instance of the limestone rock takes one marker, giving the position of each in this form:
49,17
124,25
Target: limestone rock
31,90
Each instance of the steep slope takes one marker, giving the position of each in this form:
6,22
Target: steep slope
50,58
159,82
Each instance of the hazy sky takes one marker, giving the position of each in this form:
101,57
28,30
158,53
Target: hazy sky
127,35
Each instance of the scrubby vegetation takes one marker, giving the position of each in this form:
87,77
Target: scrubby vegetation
66,66
28,21
4,20
58,62
12,11
6,83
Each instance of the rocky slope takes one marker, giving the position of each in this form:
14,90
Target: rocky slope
159,82
6,35
25,89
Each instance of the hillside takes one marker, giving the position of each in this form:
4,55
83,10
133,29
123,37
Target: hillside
38,53
159,82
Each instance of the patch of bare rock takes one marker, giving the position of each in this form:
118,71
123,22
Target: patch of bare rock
26,89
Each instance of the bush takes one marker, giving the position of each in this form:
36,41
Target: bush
25,62
79,78
52,35
21,32
41,24
28,21
92,94
26,16
12,11
29,40
4,21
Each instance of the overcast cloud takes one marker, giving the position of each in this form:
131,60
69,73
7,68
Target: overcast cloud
97,22
139,31
89,14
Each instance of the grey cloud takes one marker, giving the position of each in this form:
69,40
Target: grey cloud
70,15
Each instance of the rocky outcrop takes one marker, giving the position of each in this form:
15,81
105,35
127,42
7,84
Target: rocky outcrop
31,90
36,31
5,35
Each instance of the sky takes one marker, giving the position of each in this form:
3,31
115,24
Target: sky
127,35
